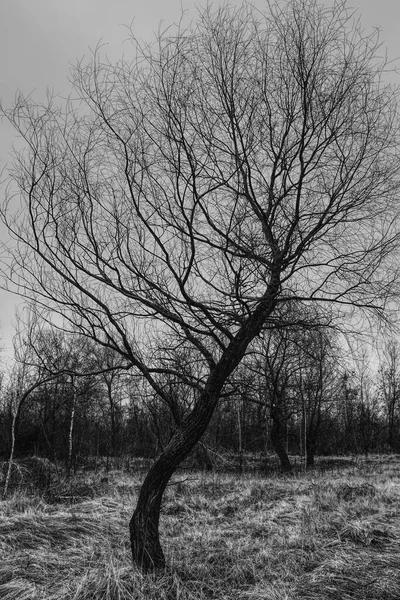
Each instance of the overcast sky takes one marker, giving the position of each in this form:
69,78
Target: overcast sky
39,39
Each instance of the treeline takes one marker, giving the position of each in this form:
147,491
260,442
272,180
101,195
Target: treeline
297,393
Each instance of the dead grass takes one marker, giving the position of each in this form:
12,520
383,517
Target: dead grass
331,535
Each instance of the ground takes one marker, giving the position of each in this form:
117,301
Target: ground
328,534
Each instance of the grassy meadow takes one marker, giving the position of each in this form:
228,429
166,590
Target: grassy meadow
329,534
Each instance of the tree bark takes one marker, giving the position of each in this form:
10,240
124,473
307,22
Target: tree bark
276,440
144,525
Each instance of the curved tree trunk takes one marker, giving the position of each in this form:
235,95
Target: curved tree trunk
144,532
144,525
14,424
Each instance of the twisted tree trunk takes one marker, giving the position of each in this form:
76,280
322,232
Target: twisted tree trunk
144,525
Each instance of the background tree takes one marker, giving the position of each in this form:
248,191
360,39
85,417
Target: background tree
233,167
278,362
318,360
299,367
113,383
389,384
24,380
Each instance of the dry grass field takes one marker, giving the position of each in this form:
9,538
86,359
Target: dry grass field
330,534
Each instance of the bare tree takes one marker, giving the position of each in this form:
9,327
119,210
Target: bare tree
370,429
389,384
24,380
278,362
317,382
232,167
297,363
